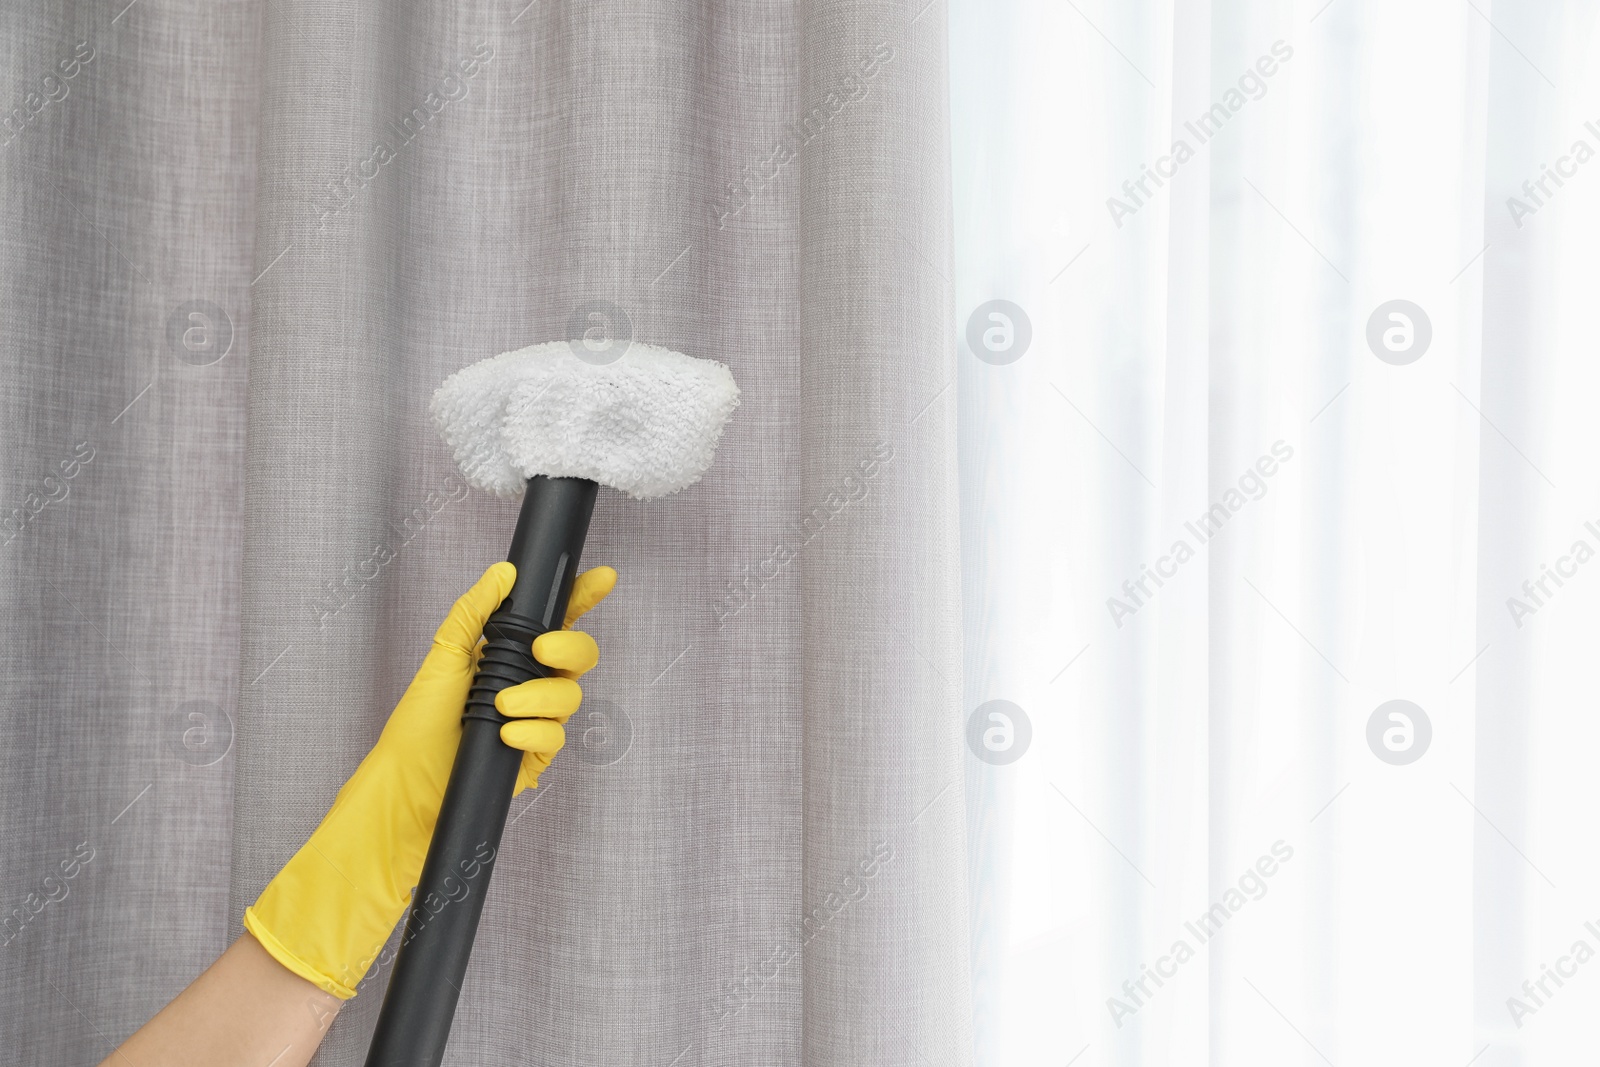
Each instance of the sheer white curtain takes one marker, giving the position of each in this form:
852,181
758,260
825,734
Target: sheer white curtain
1306,394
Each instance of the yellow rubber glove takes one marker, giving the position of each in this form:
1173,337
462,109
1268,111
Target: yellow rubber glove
327,914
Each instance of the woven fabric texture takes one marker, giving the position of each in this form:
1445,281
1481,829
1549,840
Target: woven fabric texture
243,244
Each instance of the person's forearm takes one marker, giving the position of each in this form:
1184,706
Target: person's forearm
245,1010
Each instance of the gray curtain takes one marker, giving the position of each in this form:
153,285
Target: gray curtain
242,244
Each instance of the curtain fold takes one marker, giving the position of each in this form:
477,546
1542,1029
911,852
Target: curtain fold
126,159
752,850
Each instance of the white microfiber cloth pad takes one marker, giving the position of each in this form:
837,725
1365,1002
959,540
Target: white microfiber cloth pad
646,423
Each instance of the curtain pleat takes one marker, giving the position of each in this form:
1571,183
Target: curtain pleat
127,154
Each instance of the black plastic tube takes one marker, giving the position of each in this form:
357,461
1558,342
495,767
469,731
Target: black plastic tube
420,1003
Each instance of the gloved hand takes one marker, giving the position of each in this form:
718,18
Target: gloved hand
327,914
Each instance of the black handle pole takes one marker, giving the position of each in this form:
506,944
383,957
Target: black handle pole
421,1000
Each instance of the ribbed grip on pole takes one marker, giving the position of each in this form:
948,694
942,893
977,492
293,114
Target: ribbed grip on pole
507,660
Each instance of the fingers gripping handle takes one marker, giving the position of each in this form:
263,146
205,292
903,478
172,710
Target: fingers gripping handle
420,1003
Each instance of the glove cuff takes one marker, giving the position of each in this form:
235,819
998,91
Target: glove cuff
327,914
280,952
